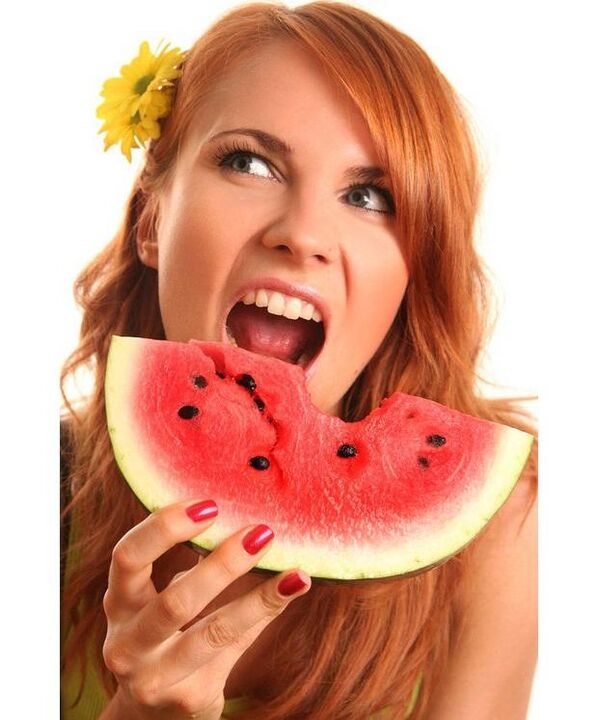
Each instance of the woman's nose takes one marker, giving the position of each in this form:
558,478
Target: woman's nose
304,232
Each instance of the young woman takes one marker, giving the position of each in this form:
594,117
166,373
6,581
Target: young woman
317,152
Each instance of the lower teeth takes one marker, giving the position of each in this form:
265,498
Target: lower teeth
230,337
303,360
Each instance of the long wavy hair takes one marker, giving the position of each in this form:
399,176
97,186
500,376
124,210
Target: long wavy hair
359,646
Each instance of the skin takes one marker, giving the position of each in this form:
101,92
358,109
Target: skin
293,218
290,218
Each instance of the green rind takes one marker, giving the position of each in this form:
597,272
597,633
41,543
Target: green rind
429,547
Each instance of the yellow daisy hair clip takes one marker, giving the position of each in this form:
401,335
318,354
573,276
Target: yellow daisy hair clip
135,101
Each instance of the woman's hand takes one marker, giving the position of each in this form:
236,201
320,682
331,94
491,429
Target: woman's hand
165,673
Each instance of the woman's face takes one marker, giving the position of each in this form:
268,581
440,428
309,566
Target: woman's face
238,213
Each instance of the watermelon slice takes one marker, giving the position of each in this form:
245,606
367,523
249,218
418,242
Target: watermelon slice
393,494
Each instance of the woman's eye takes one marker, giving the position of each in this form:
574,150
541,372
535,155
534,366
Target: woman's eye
243,162
362,196
370,198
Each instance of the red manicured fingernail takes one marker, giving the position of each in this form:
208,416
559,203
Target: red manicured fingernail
202,510
291,584
255,539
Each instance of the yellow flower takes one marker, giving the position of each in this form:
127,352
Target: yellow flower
135,101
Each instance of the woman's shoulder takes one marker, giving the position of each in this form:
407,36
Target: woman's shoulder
502,560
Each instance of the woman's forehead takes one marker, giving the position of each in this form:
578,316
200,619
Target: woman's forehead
284,91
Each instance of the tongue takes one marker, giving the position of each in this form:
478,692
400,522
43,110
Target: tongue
257,330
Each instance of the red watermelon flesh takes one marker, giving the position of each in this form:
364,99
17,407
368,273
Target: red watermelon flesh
392,494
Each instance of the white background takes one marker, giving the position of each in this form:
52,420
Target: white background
523,70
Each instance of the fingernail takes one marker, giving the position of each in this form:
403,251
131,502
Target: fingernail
255,539
202,510
291,584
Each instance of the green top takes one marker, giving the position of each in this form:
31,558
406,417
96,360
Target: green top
94,699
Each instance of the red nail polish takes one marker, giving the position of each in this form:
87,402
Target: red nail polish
291,584
202,510
255,539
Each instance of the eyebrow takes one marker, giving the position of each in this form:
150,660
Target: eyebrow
360,173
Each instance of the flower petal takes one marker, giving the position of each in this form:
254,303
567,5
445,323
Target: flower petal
139,97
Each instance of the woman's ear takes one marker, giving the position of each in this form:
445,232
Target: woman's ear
147,250
146,237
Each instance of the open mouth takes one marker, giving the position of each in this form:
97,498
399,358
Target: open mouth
253,328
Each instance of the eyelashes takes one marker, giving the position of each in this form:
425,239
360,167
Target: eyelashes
384,192
225,154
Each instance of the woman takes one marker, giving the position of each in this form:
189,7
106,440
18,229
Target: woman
319,147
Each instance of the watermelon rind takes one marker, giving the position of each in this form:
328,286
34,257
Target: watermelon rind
430,546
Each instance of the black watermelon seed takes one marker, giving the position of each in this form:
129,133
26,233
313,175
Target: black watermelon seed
436,440
188,411
246,381
346,451
200,381
424,462
260,462
260,403
220,374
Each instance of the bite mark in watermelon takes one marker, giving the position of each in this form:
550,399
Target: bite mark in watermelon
398,492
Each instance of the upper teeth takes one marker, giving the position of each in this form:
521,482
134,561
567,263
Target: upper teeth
279,304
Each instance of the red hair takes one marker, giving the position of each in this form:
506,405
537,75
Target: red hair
358,647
